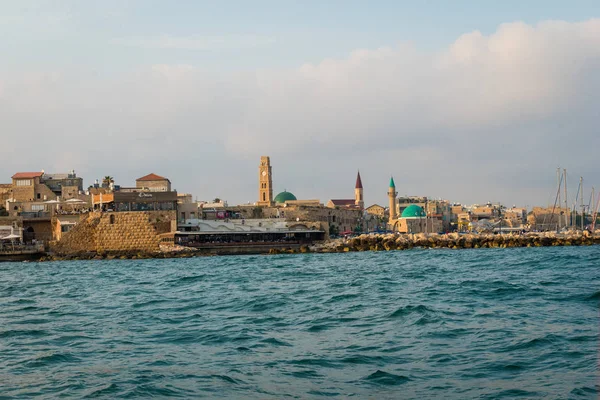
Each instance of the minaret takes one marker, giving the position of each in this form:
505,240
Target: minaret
265,182
392,197
358,192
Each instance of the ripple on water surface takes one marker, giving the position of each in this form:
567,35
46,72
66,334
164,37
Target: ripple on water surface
492,323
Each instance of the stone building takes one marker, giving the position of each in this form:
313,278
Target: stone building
67,186
376,210
153,183
486,211
517,215
39,186
548,218
28,186
187,208
414,219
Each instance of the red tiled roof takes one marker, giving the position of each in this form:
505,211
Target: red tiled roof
152,177
358,182
343,202
27,175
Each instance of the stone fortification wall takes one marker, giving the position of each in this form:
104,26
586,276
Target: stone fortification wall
82,238
116,232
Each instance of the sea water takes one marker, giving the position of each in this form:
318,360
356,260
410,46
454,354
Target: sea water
488,323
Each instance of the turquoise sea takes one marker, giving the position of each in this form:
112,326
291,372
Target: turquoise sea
426,324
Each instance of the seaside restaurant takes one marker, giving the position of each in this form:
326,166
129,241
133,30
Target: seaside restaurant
135,201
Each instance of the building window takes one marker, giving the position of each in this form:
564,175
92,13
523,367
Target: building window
112,219
24,182
39,196
37,207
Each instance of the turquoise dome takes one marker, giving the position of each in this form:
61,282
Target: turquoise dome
413,211
284,196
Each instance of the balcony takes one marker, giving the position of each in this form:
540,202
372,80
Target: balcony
35,214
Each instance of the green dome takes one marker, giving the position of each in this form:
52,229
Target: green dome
413,211
284,196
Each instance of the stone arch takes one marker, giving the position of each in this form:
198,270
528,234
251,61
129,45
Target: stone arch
298,227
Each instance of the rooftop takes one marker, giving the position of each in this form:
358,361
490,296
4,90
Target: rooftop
27,175
152,177
343,202
413,211
284,196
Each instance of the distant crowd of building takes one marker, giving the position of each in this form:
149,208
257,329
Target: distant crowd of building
44,207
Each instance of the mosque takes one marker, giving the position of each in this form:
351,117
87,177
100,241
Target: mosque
413,218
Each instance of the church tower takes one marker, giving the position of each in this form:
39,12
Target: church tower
392,197
265,182
358,192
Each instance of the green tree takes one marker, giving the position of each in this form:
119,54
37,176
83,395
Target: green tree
107,181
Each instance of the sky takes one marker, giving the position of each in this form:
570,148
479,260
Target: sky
464,100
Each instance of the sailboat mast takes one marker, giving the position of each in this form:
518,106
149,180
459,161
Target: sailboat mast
581,200
566,202
558,181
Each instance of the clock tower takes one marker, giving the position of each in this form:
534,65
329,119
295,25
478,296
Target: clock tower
265,182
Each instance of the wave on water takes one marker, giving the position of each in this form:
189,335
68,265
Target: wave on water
50,359
499,323
385,378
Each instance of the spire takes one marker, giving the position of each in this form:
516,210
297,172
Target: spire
392,184
358,181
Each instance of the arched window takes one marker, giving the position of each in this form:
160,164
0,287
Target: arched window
264,197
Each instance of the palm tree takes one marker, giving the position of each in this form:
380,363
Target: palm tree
107,181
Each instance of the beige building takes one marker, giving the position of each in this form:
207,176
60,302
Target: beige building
27,186
548,218
5,194
153,183
187,208
376,210
516,215
487,211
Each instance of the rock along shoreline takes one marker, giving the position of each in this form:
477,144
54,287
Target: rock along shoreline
370,242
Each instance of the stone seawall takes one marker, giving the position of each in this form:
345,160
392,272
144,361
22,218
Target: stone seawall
116,232
385,242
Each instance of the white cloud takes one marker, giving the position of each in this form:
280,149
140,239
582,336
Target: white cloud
488,118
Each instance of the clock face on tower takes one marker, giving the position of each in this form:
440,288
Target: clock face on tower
264,173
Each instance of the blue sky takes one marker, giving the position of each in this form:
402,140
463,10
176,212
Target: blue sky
472,101
64,34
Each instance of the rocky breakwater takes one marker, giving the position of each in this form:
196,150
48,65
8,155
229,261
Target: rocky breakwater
391,241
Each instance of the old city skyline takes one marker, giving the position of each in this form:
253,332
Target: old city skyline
484,109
